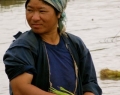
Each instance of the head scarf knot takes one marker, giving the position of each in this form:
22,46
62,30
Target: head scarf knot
60,5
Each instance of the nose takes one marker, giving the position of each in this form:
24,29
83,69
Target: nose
36,16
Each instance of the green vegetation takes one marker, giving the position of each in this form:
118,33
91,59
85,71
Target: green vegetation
62,91
109,74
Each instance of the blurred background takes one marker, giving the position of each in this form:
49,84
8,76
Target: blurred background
96,22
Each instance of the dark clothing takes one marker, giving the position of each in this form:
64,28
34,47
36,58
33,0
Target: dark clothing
28,54
62,73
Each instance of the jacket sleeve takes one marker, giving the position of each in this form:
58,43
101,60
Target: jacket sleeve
89,78
87,74
18,60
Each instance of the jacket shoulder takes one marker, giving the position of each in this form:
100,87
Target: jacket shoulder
27,39
78,44
76,40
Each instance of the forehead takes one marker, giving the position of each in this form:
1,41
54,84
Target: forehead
37,4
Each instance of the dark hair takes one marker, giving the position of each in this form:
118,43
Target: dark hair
26,3
56,11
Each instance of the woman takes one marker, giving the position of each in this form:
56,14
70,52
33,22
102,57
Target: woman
47,57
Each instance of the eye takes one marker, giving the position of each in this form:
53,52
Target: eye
42,11
29,10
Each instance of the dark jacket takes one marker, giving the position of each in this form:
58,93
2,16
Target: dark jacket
27,54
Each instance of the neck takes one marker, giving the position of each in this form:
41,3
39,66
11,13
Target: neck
51,38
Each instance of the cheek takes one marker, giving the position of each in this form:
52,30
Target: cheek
52,18
28,18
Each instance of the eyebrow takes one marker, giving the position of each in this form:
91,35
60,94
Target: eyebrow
30,6
33,7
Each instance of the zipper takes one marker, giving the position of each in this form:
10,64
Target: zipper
76,69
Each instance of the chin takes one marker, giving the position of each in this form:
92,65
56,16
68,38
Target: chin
37,31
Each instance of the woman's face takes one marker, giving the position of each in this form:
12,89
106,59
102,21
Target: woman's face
41,17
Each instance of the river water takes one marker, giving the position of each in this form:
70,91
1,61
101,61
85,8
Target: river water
97,22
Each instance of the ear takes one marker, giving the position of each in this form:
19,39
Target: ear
59,15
